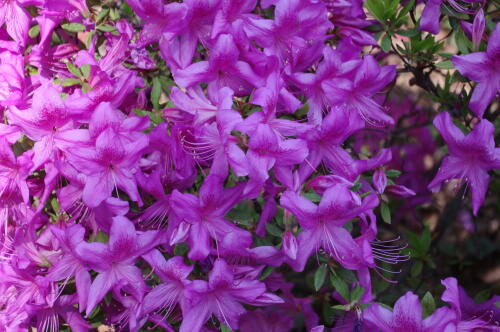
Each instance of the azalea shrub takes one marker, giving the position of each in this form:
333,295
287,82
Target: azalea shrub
244,165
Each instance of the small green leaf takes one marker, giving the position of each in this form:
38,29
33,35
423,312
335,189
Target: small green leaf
385,212
463,43
377,9
428,305
73,27
266,273
425,240
181,249
114,14
408,33
319,277
497,304
393,173
85,69
73,69
445,64
54,203
356,293
102,237
385,43
312,196
106,28
339,284
102,14
406,9
482,296
225,328
34,31
71,82
416,268
156,93
274,230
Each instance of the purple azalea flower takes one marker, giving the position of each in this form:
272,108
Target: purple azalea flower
17,20
223,69
69,264
470,157
331,67
173,274
356,94
406,316
222,296
429,21
267,148
469,316
323,225
296,24
115,260
48,123
482,67
160,18
202,218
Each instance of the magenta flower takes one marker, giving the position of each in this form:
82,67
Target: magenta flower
357,94
173,274
430,15
482,67
470,157
17,20
223,69
323,225
48,122
222,296
70,265
202,218
115,260
470,316
406,316
160,18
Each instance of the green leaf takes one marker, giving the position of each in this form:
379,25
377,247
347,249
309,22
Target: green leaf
54,203
356,293
34,31
482,296
319,277
463,43
377,9
428,305
497,304
114,14
408,33
105,28
73,27
425,240
445,64
385,43
393,173
406,9
225,328
312,196
156,93
102,237
181,249
102,14
85,69
339,284
416,268
71,82
73,69
385,212
266,273
274,230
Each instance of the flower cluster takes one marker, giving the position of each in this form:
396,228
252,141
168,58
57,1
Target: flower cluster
167,165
